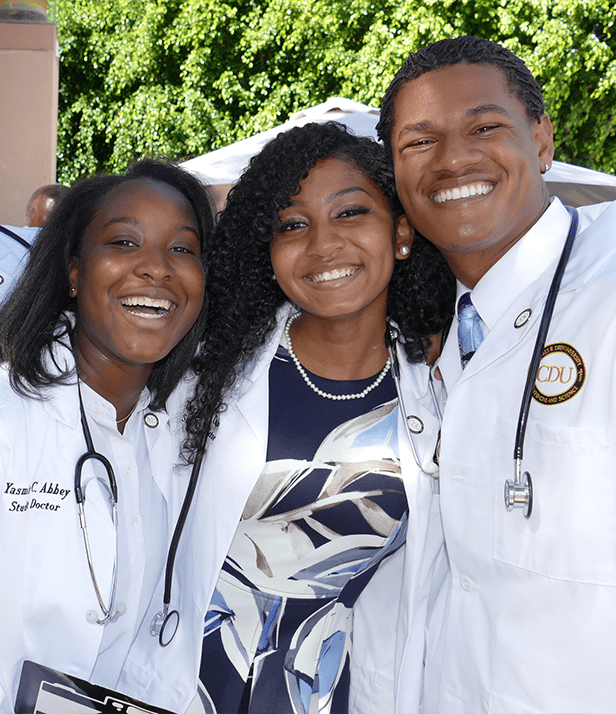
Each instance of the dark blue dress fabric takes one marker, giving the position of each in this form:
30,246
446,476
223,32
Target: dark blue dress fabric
328,507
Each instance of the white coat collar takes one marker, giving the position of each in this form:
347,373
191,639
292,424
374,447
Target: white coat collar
519,282
524,263
61,402
63,405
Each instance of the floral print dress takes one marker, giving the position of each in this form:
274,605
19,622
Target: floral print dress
328,507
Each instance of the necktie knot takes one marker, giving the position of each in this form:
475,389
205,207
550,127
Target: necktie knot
470,334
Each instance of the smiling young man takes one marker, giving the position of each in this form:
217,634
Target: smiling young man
526,620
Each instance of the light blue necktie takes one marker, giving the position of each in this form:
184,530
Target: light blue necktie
470,334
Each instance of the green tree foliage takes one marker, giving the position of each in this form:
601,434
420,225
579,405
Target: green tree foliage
178,78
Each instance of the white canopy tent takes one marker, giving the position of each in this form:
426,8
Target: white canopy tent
575,185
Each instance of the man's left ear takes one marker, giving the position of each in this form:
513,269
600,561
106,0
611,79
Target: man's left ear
404,238
544,141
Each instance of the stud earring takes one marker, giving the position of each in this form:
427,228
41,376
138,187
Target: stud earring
405,250
73,289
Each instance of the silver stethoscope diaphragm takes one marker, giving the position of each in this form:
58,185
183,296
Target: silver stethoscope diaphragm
165,625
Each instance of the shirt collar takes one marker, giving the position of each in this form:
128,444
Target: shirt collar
521,265
103,412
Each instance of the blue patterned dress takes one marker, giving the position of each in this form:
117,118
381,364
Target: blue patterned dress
328,507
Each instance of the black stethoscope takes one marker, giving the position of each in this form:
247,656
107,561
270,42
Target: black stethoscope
165,623
110,487
519,492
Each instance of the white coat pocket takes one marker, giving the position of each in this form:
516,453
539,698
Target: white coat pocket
571,534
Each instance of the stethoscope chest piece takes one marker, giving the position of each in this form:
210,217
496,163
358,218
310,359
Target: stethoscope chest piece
520,495
164,625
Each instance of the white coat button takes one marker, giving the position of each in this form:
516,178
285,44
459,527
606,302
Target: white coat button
467,584
135,520
150,420
129,469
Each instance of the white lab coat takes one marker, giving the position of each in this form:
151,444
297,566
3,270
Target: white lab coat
46,585
530,615
235,461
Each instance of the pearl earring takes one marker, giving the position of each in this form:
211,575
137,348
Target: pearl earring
405,250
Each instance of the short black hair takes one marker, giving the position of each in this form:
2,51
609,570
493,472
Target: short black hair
34,316
244,297
470,49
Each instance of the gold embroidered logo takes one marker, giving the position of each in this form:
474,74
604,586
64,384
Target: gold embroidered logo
561,374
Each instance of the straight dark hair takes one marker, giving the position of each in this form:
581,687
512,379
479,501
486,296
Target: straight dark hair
37,314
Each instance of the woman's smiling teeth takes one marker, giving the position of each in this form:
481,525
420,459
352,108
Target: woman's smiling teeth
453,194
332,275
146,307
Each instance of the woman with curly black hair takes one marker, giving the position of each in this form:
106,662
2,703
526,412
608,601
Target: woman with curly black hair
311,259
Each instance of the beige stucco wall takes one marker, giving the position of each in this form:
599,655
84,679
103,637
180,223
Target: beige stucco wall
28,114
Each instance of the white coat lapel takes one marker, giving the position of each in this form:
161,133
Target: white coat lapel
235,458
254,389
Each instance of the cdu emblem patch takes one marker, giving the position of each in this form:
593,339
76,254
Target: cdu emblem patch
561,374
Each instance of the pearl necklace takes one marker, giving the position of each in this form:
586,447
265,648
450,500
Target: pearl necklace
313,386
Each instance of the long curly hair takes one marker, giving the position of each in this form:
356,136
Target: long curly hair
35,315
244,297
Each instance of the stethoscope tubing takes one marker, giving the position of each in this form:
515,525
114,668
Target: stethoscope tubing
91,454
544,325
390,343
171,619
519,493
165,623
108,612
